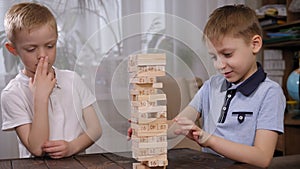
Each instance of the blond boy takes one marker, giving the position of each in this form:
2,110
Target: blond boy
241,108
50,109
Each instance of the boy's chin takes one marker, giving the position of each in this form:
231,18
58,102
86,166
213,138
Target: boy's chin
232,80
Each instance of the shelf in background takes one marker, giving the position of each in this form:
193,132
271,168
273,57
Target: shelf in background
283,26
284,41
284,44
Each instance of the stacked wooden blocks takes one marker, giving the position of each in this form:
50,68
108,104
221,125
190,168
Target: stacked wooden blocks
148,110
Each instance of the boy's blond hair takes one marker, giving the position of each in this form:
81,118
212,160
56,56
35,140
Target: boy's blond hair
25,16
233,20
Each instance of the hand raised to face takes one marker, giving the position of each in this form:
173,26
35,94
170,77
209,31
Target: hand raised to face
44,80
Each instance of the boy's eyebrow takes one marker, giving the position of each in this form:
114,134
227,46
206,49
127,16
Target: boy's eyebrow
225,49
50,41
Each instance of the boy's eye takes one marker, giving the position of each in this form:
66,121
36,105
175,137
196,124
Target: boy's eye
50,46
30,49
227,54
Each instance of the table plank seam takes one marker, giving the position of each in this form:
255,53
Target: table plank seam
112,161
74,157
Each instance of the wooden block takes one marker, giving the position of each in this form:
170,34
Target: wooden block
149,115
149,109
150,127
161,157
156,85
148,134
145,74
146,59
140,130
148,68
151,139
143,80
150,98
156,162
153,97
143,154
145,91
138,145
135,71
144,166
145,120
146,103
143,103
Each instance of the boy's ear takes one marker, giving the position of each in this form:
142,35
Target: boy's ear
256,43
10,47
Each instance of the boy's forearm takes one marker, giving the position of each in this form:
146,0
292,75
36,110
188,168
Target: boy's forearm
92,133
243,153
85,140
39,131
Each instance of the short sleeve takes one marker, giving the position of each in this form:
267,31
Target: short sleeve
271,115
197,101
15,111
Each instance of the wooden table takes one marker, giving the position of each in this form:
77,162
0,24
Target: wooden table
178,159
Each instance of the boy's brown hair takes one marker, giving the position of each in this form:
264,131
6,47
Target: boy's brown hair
25,16
234,20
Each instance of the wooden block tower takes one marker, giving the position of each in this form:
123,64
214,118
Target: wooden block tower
148,111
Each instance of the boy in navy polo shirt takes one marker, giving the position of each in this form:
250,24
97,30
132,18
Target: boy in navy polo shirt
242,110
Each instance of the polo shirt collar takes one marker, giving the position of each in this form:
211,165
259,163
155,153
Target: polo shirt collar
250,84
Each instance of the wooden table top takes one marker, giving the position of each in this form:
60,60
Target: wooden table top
177,158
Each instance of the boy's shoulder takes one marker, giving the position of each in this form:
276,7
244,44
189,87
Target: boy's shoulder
16,82
270,83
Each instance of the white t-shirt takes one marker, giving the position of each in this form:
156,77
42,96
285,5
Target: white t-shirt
67,101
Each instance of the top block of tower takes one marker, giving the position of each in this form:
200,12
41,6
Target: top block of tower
147,59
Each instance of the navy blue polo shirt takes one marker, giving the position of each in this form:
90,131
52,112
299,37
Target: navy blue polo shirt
235,112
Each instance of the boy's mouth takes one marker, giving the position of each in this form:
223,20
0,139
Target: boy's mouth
227,74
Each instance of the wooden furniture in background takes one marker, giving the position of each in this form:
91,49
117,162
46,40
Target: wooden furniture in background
288,143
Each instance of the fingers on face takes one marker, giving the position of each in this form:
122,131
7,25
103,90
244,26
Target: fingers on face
45,65
39,67
42,67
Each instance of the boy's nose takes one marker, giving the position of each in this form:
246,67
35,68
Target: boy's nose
220,64
41,53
